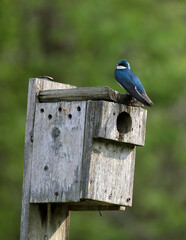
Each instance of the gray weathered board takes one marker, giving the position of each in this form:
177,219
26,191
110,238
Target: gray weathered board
49,222
58,144
79,154
111,173
130,128
87,93
28,215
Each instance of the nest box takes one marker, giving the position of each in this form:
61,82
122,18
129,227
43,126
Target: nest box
84,144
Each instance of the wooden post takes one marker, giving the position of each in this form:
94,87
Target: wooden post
49,221
32,217
80,147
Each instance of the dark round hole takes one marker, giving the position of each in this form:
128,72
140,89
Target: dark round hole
78,108
59,109
56,194
114,113
124,122
49,116
31,138
69,116
41,110
110,196
46,168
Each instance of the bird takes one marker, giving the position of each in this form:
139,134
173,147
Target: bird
131,83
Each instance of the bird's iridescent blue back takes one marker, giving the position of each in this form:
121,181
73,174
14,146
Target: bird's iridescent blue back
128,79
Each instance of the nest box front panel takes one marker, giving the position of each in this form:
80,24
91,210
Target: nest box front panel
57,151
121,123
111,172
109,159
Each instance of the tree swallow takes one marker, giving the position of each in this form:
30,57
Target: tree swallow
130,82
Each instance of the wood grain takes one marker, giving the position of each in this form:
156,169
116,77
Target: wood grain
57,155
51,221
108,163
35,85
111,172
92,206
87,93
130,128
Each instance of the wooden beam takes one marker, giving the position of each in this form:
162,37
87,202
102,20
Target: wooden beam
49,221
87,93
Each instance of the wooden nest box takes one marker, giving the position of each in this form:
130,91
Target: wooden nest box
84,149
80,146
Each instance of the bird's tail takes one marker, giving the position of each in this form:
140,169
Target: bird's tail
147,101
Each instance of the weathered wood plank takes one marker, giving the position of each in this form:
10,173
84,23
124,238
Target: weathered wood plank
93,207
121,123
87,93
90,124
111,172
58,148
108,166
51,221
35,85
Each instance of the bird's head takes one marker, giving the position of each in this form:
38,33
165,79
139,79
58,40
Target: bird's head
123,64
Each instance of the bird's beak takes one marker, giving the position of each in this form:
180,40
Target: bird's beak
116,64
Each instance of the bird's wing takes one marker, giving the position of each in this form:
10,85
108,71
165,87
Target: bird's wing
145,97
140,89
125,80
131,83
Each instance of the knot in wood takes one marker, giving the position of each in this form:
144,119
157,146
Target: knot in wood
55,133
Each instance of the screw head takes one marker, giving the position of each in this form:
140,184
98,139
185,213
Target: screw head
128,199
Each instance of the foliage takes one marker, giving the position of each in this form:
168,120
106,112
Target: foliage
79,42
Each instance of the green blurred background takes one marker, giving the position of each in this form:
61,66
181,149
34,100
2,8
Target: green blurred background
79,43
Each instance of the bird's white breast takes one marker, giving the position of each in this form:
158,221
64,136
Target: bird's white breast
121,67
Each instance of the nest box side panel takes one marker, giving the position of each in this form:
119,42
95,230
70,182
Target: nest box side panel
57,151
121,123
111,172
